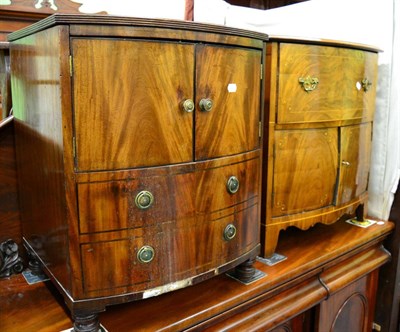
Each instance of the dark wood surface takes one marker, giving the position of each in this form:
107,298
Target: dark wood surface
10,225
388,295
84,155
346,253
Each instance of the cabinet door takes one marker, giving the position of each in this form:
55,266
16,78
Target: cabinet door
355,147
127,97
350,309
305,170
231,78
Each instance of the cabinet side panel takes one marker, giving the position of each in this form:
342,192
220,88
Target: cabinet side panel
36,87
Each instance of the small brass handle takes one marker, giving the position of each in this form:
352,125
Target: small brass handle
366,84
308,83
145,254
229,232
188,105
206,105
144,199
345,163
232,185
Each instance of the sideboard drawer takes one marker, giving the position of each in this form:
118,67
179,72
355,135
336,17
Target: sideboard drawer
323,83
173,194
176,251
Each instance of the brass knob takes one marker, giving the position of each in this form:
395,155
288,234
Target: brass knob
229,232
232,185
366,84
206,105
188,105
144,199
145,254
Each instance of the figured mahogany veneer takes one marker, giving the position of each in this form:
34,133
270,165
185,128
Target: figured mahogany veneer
125,194
320,98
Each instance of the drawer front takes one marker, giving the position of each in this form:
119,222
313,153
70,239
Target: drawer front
339,94
305,170
115,205
180,250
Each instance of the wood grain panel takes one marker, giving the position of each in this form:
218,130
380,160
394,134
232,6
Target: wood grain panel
106,206
37,77
305,170
347,310
132,106
232,125
355,160
183,249
10,224
336,96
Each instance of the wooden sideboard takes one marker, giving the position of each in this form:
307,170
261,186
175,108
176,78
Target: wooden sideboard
138,148
330,277
320,103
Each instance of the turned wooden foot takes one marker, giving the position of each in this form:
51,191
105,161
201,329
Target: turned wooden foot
246,271
86,322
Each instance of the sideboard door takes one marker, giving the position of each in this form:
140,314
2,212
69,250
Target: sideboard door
231,79
128,106
350,309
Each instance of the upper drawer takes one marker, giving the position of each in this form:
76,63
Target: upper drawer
324,83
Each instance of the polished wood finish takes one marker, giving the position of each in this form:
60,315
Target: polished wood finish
5,86
10,226
19,14
339,255
321,101
336,97
100,122
387,313
350,309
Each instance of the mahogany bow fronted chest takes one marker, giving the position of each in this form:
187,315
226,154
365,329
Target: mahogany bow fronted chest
139,153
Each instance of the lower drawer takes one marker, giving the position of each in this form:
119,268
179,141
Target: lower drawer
170,252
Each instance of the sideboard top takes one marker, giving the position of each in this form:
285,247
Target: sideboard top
320,41
99,19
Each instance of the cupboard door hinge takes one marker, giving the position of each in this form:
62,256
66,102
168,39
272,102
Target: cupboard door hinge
376,327
70,65
262,72
260,129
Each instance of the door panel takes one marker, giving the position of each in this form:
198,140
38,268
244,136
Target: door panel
128,113
230,77
305,170
355,142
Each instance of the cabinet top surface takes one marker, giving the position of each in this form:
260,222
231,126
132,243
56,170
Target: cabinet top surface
108,20
322,42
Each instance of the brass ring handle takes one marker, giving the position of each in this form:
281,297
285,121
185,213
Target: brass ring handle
145,254
366,84
308,83
144,200
229,232
206,105
232,185
188,105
